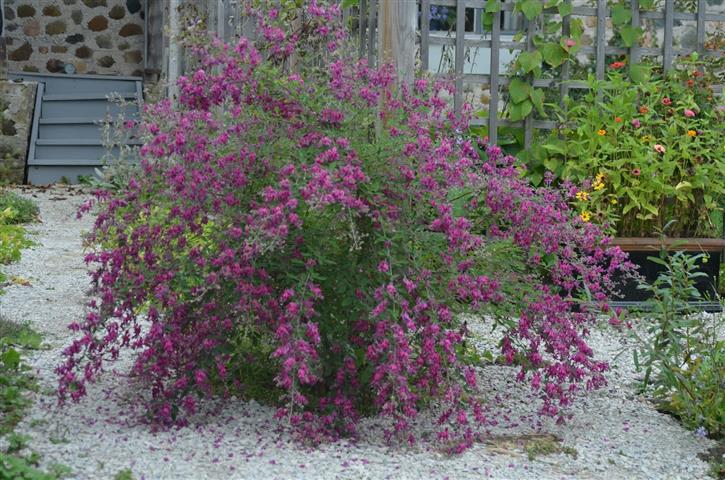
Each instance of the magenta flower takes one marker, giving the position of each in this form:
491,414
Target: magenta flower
666,101
659,148
689,113
636,123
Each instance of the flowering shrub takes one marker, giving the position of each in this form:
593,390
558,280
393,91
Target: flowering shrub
283,231
644,153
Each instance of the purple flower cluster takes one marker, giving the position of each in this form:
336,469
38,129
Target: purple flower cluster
269,212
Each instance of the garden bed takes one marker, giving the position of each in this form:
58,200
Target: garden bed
613,432
641,249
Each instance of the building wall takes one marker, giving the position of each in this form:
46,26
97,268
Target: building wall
95,36
17,101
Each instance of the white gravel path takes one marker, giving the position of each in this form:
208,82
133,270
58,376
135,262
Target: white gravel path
616,434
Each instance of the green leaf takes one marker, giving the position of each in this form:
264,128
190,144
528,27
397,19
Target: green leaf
555,145
553,54
565,8
529,61
537,97
639,73
683,184
531,8
621,14
552,163
519,111
519,90
487,21
11,359
493,6
576,27
630,35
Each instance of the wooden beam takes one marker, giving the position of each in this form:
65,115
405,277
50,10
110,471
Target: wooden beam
174,49
396,37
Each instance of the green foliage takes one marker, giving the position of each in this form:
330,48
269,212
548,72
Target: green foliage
125,474
681,354
643,153
16,385
12,237
26,210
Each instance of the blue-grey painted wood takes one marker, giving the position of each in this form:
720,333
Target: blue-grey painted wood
494,85
601,37
84,108
37,112
86,131
66,138
72,154
43,175
460,54
669,35
67,84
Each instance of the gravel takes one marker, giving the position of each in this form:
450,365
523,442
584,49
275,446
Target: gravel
614,432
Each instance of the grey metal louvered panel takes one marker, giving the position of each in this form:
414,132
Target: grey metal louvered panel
70,154
43,175
89,130
83,108
57,84
67,132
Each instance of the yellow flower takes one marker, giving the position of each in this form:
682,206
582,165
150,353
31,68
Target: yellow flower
585,216
601,132
613,201
647,138
691,133
598,185
600,177
583,196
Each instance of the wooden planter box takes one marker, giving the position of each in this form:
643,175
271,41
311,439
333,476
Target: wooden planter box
640,248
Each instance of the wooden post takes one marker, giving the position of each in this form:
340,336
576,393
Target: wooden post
174,49
396,37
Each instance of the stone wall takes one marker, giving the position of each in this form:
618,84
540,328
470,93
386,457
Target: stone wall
95,36
16,117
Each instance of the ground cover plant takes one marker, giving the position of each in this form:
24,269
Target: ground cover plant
285,240
682,353
16,382
24,210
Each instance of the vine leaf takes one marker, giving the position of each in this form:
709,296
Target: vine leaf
531,8
519,111
565,8
493,6
639,73
519,90
537,98
529,61
553,54
630,35
621,14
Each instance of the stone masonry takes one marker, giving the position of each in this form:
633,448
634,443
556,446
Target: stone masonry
16,117
95,36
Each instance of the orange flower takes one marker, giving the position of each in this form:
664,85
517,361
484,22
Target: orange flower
618,119
601,132
691,133
690,83
643,109
617,65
